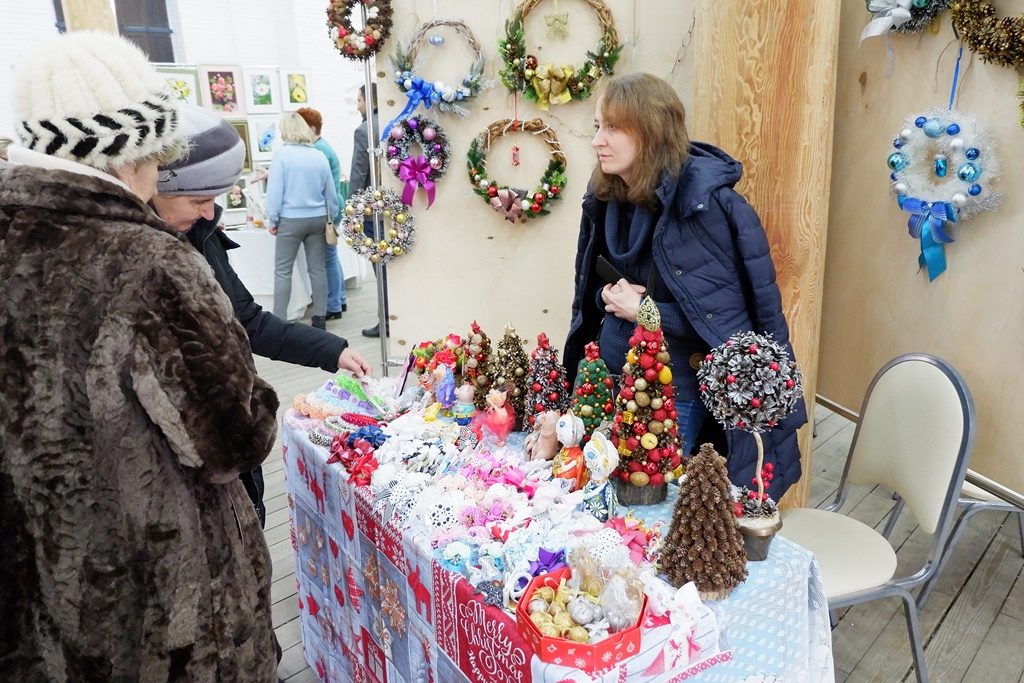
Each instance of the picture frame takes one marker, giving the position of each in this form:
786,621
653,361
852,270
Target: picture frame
262,89
183,81
294,89
262,135
241,127
223,89
235,205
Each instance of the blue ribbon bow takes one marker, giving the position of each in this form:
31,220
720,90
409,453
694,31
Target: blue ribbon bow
928,223
421,91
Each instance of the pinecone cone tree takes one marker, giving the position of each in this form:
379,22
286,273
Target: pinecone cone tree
703,543
547,387
477,348
509,367
592,393
645,431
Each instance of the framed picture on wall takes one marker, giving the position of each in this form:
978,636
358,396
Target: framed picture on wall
262,134
235,204
262,91
223,89
241,126
183,82
294,89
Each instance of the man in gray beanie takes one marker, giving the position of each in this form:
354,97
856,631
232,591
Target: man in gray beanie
186,190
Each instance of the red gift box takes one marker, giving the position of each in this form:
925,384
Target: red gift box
589,657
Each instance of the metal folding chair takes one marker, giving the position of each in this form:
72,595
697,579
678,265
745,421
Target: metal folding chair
914,438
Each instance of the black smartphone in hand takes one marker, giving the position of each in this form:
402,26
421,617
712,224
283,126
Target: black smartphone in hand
608,272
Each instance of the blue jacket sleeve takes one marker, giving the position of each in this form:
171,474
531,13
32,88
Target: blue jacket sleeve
758,267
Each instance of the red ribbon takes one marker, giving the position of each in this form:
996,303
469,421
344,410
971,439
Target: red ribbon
507,204
415,171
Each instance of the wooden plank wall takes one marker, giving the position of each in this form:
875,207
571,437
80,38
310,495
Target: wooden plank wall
764,90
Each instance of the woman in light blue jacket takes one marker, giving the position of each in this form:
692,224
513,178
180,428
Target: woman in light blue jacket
301,194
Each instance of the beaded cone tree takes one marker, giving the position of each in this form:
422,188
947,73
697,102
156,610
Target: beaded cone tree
477,346
703,543
592,393
751,383
645,431
509,367
547,387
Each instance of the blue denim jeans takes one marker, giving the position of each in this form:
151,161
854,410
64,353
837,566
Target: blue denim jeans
691,416
335,280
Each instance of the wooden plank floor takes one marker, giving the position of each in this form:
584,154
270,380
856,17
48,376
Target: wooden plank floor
973,623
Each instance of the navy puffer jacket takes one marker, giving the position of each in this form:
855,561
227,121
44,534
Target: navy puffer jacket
712,254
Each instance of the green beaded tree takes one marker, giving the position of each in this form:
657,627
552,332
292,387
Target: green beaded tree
477,348
703,543
645,431
509,367
592,392
547,388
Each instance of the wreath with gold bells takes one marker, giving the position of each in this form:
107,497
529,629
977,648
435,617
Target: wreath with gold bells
401,233
354,43
548,84
995,39
517,205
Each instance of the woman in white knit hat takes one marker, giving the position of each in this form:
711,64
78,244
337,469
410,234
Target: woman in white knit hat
130,549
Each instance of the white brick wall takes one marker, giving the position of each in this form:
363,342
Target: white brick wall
23,24
262,32
239,32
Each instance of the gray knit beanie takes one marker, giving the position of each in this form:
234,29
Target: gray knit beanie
214,160
92,98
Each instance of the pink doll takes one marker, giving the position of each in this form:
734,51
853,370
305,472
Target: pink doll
542,444
570,463
497,418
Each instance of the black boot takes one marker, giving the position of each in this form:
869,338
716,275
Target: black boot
319,323
372,331
333,315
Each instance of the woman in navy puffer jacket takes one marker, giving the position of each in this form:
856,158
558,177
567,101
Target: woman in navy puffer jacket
663,211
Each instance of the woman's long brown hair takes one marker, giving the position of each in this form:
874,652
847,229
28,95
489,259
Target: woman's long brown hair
647,108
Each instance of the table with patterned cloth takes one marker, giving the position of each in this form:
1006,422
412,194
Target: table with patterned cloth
376,607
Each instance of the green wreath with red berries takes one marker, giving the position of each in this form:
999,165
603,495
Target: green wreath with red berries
517,205
351,42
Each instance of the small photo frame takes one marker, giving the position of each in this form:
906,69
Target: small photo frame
262,135
183,82
223,89
262,90
241,127
294,89
235,205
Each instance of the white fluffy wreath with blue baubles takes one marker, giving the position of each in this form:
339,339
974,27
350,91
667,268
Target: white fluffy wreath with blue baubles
942,166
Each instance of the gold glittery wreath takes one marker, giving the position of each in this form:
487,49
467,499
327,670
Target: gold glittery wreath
648,315
995,39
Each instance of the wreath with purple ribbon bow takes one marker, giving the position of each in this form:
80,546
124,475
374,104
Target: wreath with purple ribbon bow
427,167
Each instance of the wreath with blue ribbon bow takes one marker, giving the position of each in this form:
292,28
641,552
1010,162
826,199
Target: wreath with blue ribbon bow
941,168
449,98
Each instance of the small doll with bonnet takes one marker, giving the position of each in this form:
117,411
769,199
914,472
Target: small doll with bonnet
601,459
464,409
569,463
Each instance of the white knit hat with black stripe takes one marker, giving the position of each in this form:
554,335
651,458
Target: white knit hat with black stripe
93,98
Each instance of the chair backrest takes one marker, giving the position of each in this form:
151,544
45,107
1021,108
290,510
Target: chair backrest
915,436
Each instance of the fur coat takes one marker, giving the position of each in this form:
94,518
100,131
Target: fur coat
130,551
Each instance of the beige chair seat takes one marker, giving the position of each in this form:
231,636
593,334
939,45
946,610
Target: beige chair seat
852,555
969,490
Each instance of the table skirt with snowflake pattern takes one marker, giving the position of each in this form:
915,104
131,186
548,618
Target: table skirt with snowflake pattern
375,606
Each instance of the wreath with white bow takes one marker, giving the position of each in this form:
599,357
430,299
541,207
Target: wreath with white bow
354,43
941,168
901,16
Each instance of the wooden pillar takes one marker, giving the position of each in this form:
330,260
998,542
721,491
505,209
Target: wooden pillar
89,15
764,90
